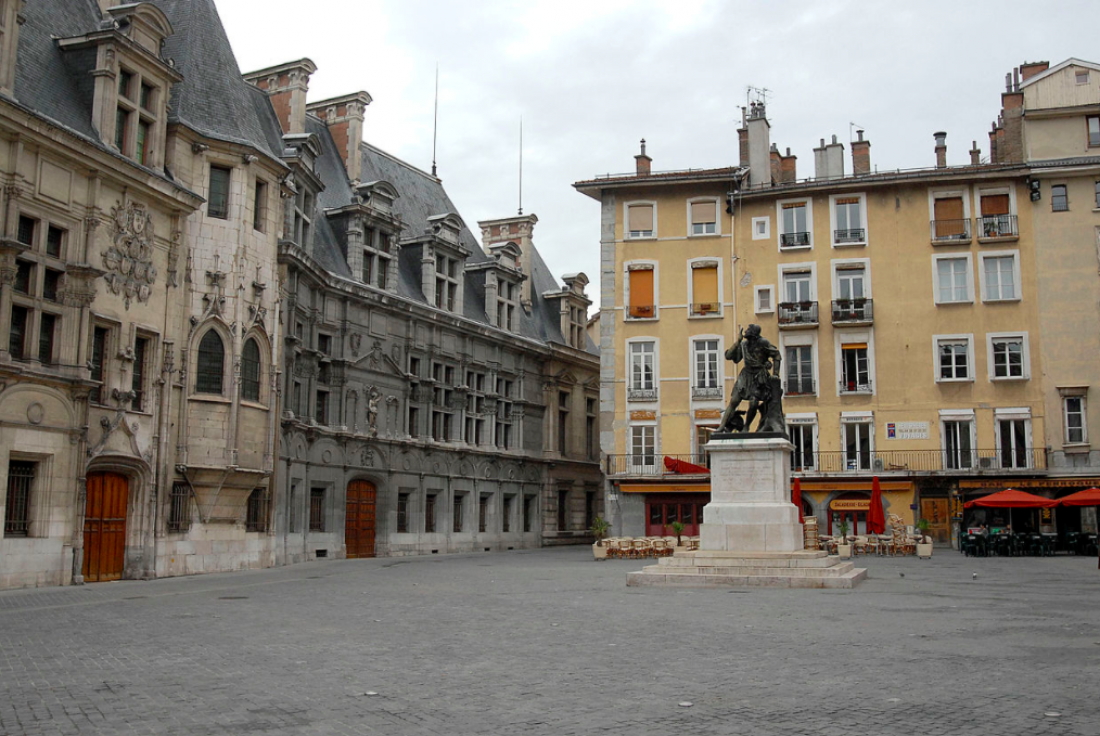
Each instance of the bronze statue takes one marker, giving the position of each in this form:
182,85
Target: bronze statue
758,383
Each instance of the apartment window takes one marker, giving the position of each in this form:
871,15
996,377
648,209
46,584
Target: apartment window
797,287
855,375
704,288
1097,187
849,221
1094,130
446,283
138,372
800,370
506,518
803,454
1081,76
210,370
250,371
1000,277
259,207
17,332
954,359
47,330
17,510
483,513
51,282
642,373
179,508
563,510
642,446
255,519
563,422
217,204
1073,411
457,509
952,283
402,513
794,221
317,510
996,220
706,369
640,220
24,278
590,428
1012,442
1059,199
851,283
414,421
504,414
761,228
429,513
320,409
1008,356
765,299
25,231
857,445
704,218
642,305
589,508
324,344
122,127
55,239
950,222
506,305
296,399
100,336
528,512
958,443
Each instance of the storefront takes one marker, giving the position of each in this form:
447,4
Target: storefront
650,509
850,500
1061,519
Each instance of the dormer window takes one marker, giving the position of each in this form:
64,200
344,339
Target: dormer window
135,117
446,282
506,305
303,217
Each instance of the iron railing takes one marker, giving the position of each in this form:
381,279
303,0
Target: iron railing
179,508
650,465
641,394
704,308
920,461
17,512
855,387
798,314
640,311
800,387
794,240
951,231
997,226
852,235
706,392
850,311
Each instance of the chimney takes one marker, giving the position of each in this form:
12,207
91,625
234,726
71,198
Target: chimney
759,133
1010,147
743,145
286,85
820,167
834,160
787,171
1030,68
642,162
861,155
344,118
774,160
994,156
941,149
975,154
516,230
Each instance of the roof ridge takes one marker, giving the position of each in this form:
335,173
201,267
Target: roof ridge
402,162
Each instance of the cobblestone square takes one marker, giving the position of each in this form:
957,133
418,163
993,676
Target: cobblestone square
550,642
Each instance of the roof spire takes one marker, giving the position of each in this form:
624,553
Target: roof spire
520,165
435,117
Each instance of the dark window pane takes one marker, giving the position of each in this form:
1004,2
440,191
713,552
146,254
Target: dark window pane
147,96
46,329
250,371
99,353
218,197
17,510
17,332
50,284
54,238
211,364
137,380
26,230
121,119
24,277
317,510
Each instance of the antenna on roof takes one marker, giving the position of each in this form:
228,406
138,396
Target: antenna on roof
854,126
520,165
435,116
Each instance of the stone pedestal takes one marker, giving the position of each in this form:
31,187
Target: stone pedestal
750,534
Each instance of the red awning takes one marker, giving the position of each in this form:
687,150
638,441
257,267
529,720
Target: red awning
1087,497
1011,499
681,466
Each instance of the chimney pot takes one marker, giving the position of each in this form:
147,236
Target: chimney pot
642,162
941,149
834,138
859,135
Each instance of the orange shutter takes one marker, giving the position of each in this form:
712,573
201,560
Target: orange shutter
641,293
994,204
949,217
854,346
847,200
704,287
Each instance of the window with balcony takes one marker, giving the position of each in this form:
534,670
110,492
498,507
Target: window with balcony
799,306
642,386
852,303
1059,198
804,453
950,223
1000,277
800,370
1012,442
795,225
1073,413
641,293
707,382
958,444
704,289
1094,130
1008,356
640,221
848,218
952,284
643,447
997,220
858,438
954,358
855,372
704,217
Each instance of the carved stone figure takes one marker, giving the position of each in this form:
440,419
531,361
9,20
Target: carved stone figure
758,383
129,260
372,411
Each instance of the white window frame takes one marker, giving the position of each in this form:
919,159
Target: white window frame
969,340
633,462
785,268
992,337
936,258
757,290
720,366
626,219
809,204
964,193
757,234
838,264
862,217
981,191
707,261
857,417
1084,441
640,265
717,217
794,339
1015,256
629,379
959,415
1013,414
807,419
845,337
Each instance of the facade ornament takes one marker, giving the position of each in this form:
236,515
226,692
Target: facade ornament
373,397
375,356
355,342
129,261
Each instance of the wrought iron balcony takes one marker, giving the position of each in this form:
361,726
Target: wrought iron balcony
641,394
702,308
967,462
798,314
706,392
800,387
651,465
997,227
950,231
794,240
640,311
855,387
850,236
853,311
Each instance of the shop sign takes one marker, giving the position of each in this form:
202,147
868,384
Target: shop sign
708,413
907,430
1030,483
851,504
643,416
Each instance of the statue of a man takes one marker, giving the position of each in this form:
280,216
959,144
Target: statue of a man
758,383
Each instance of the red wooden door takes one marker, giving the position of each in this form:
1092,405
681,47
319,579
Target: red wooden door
359,523
105,526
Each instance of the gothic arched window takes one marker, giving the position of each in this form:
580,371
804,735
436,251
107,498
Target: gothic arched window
210,371
250,371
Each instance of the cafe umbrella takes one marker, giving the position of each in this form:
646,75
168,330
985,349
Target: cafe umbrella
876,516
796,498
1087,497
1010,499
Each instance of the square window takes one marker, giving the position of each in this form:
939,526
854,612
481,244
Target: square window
640,218
704,218
1081,76
1000,281
765,299
761,228
952,280
953,360
1008,356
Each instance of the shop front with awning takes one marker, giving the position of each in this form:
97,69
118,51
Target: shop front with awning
850,500
1058,519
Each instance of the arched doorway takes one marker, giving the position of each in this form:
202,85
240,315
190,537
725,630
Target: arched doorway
359,520
851,507
105,526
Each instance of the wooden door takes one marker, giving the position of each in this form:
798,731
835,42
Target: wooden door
105,526
935,510
359,521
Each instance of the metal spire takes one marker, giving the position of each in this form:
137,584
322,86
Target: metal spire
435,117
521,165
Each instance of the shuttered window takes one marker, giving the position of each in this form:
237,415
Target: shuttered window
950,220
994,204
704,287
640,220
704,218
641,293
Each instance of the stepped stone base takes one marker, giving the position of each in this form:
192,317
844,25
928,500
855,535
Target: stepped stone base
717,569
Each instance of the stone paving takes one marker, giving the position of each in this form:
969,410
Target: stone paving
550,642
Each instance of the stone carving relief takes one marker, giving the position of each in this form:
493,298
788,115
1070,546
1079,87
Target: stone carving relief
374,396
356,342
129,260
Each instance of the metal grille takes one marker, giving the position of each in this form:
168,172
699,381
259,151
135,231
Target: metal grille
17,516
179,508
256,514
211,364
317,510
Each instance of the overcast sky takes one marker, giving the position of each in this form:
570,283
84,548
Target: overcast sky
591,78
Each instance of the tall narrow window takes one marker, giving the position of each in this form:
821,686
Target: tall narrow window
1008,357
457,513
803,456
1074,411
642,447
796,232
320,413
528,512
641,294
97,363
429,513
506,515
17,510
849,221
24,278
855,374
250,371
706,369
1012,443
958,444
259,207
47,329
857,446
483,513
55,238
590,429
402,513
25,231
317,510
211,364
217,204
143,135
704,289
563,510
1094,130
179,508
137,374
256,511
17,332
1059,198
640,221
642,374
122,126
563,422
704,218
800,370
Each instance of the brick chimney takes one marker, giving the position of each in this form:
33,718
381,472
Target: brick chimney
286,85
774,160
1010,145
941,149
861,155
344,118
994,155
642,162
975,154
743,145
787,168
1030,68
